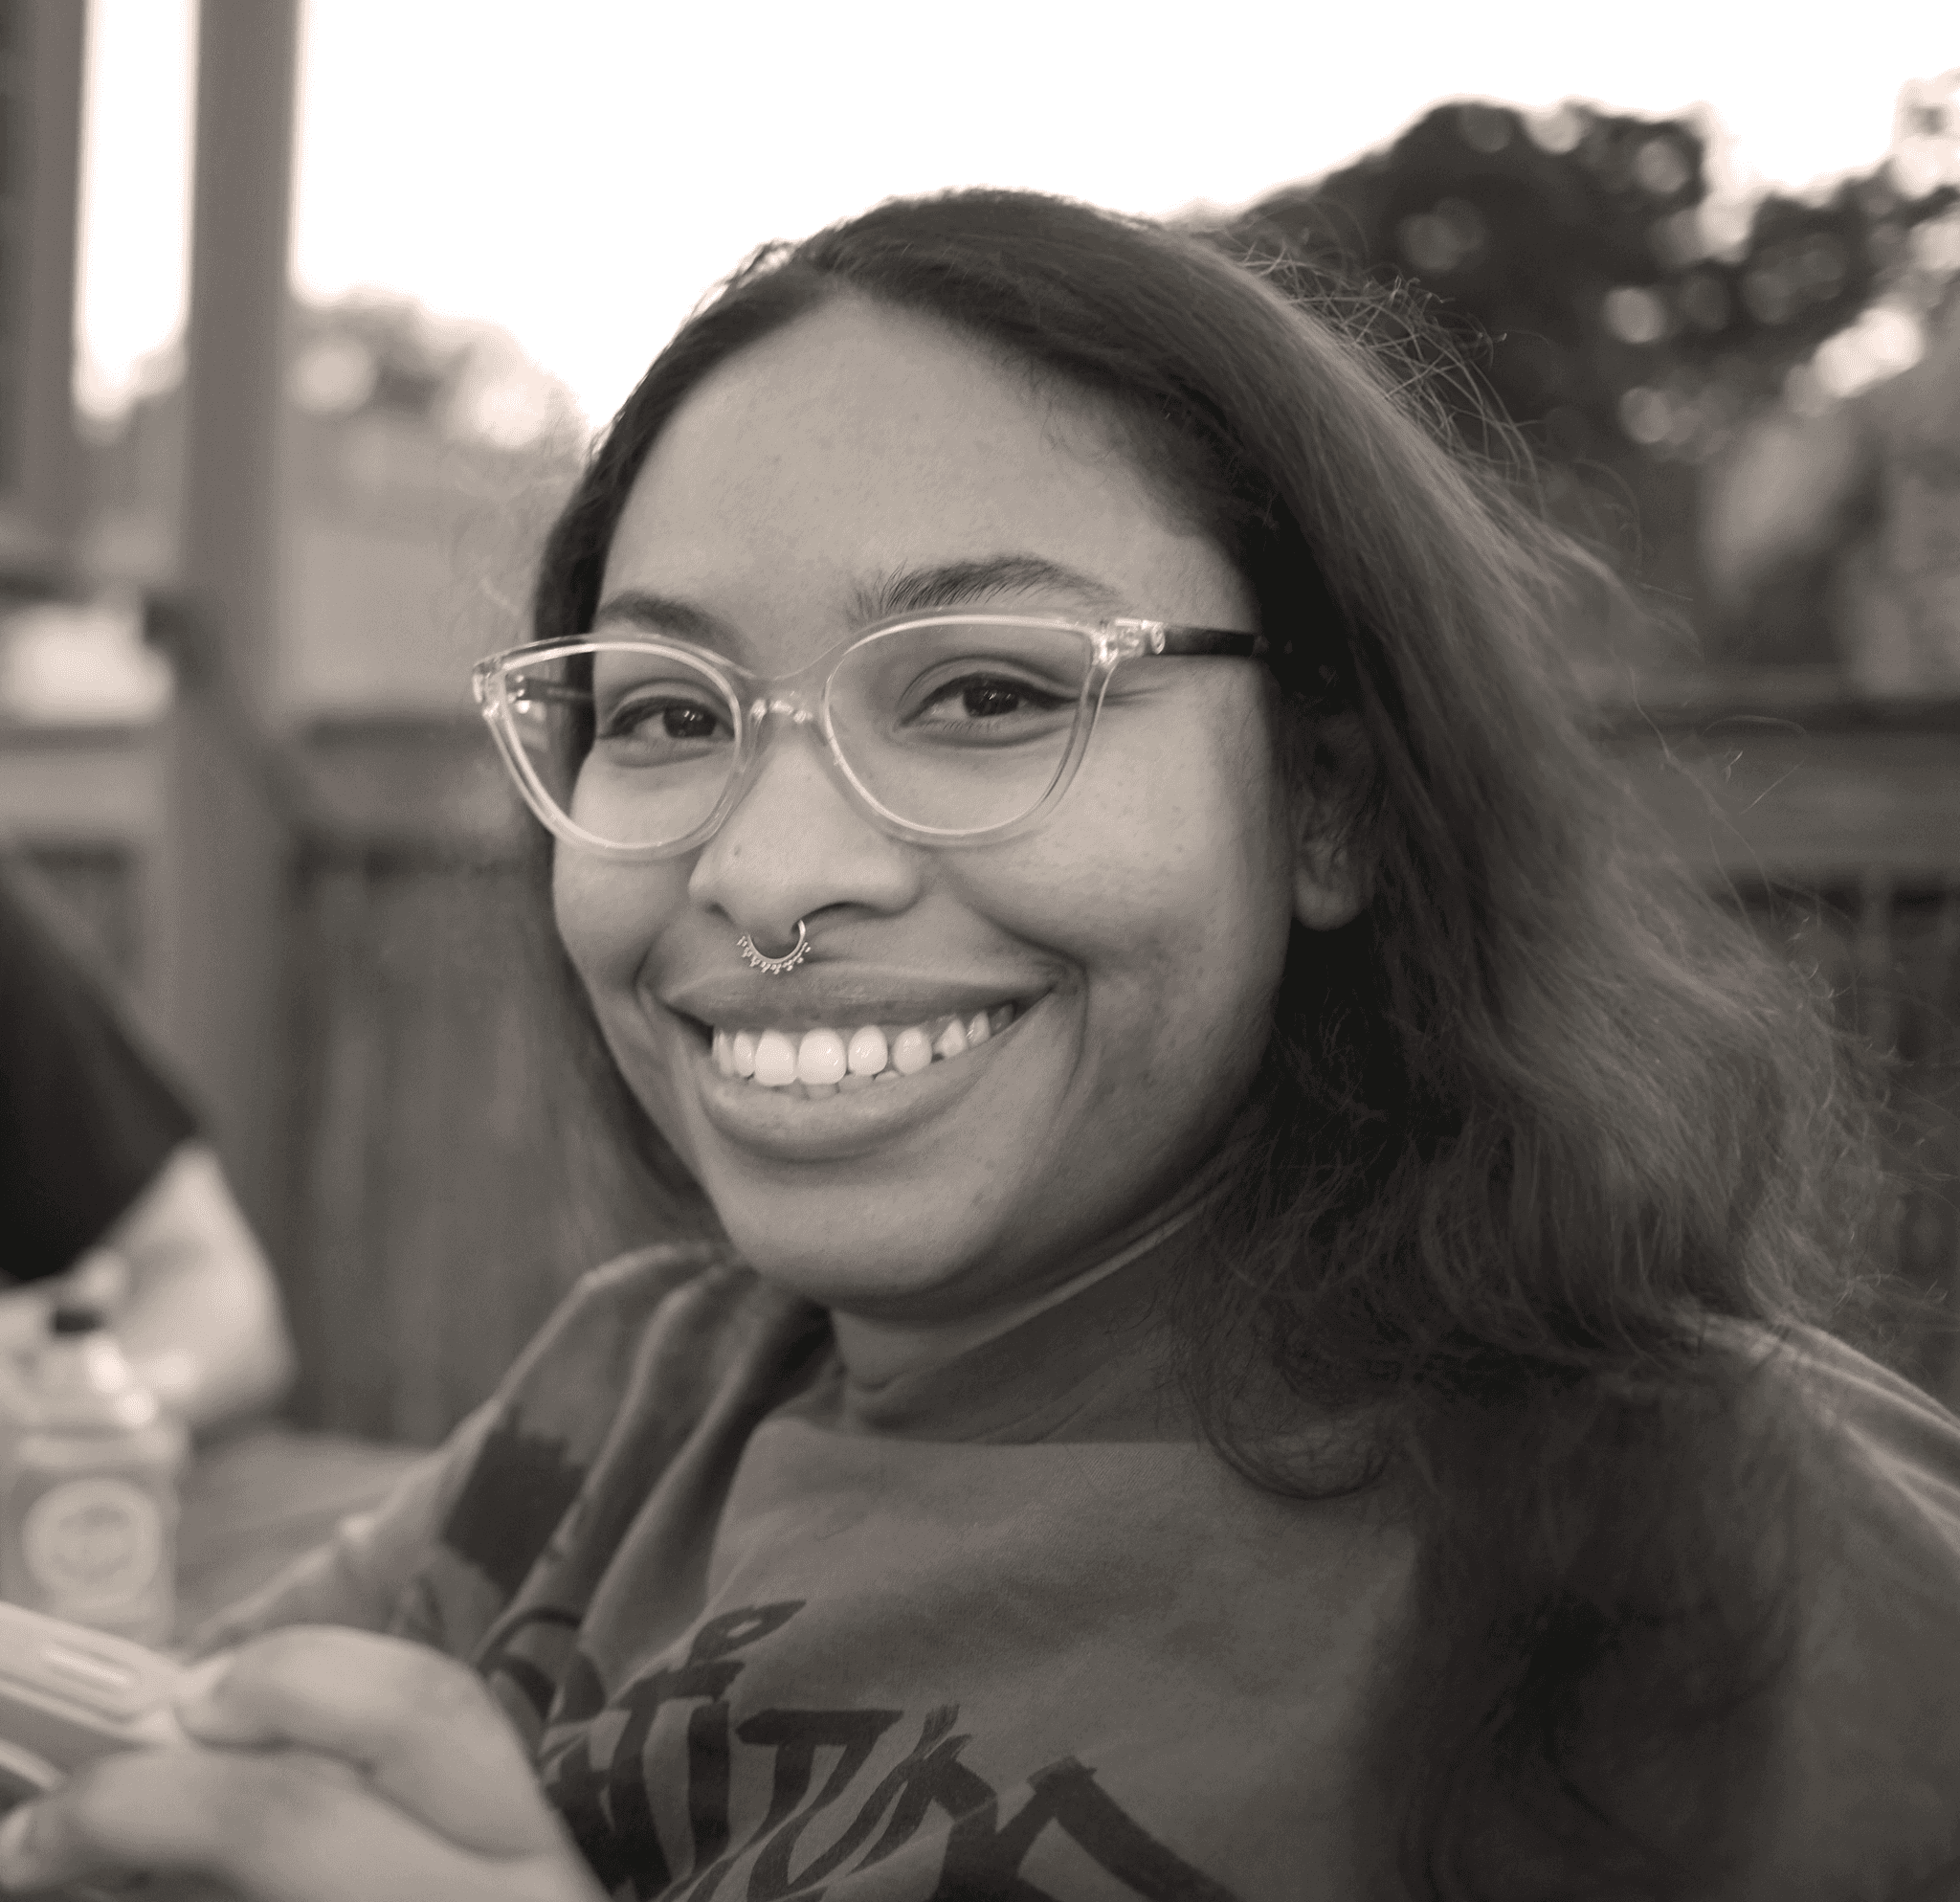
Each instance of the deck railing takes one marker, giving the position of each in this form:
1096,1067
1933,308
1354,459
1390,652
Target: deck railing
446,1184
1832,820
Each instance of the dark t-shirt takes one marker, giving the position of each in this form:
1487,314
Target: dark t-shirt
87,1116
973,1634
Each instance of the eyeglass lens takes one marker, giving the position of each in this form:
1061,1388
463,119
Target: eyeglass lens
955,726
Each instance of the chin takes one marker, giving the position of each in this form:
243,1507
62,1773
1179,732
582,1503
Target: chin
827,1257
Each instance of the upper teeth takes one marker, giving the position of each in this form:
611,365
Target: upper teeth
823,1060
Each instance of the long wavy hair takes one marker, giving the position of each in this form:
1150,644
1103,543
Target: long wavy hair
1546,1124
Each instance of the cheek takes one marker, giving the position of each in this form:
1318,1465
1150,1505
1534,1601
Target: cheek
1169,886
1214,901
607,917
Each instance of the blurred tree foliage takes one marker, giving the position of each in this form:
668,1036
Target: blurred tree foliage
1624,321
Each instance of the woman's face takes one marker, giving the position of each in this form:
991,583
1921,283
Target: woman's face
1138,933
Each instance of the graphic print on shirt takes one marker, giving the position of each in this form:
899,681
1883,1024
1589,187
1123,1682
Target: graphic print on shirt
516,1497
889,1778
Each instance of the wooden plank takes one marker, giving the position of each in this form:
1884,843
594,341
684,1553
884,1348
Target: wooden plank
333,1270
81,800
61,786
441,1220
430,787
1747,796
1818,699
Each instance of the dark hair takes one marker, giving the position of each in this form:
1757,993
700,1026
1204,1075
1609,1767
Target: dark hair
1543,1121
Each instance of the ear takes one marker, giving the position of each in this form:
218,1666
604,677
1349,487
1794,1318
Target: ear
1329,885
1328,891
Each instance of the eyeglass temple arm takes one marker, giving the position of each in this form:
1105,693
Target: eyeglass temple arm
535,686
1221,642
1212,641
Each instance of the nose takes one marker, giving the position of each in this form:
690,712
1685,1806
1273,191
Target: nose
795,845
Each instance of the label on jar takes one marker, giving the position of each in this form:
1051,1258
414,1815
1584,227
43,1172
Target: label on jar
92,1545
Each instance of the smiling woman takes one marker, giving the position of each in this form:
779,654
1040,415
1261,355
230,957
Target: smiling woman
1257,1328
861,456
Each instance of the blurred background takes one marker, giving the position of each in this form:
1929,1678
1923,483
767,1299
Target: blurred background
307,313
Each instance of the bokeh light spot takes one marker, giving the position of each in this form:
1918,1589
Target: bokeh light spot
1634,315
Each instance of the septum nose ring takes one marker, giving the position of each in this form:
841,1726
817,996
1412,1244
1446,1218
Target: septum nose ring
776,966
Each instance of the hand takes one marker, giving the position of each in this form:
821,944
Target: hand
328,1765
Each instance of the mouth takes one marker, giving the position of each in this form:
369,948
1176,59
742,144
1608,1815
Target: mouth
823,1060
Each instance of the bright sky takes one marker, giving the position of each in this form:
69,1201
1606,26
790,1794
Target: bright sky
580,173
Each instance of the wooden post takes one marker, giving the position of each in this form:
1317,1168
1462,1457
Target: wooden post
221,960
40,88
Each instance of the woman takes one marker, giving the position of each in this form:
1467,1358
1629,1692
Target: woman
1259,1334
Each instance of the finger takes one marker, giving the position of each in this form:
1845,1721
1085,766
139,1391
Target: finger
224,1631
285,1827
424,1728
312,1590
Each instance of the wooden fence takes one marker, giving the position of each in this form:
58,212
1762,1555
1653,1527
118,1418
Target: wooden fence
450,1177
447,1182
1833,824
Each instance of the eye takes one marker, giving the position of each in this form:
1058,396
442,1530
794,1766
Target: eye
961,685
682,722
985,699
660,721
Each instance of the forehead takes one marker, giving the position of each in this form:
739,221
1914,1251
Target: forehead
860,442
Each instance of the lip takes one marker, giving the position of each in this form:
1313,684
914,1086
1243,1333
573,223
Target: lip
829,1129
841,998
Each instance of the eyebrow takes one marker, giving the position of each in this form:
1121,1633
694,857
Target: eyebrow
903,591
955,584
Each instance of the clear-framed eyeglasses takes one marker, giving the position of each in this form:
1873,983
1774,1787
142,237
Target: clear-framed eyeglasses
946,727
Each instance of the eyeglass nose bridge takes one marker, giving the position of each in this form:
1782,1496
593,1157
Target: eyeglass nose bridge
800,712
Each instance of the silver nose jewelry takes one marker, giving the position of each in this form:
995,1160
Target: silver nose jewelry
776,966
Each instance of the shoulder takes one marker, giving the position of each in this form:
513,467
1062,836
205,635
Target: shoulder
1890,1428
662,1329
643,1276
1874,1448
690,1292
1873,1478
1867,1777
637,1357
700,1286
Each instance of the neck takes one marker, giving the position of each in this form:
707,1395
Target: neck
876,1351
